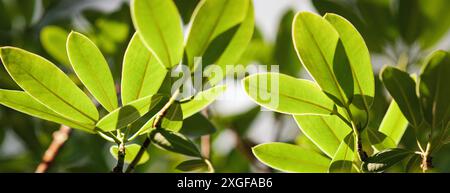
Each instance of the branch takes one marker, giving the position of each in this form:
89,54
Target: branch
59,138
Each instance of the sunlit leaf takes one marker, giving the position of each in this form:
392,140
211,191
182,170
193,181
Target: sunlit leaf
210,19
159,25
290,158
23,102
48,84
92,69
127,114
142,75
287,94
201,100
319,49
394,123
343,159
326,132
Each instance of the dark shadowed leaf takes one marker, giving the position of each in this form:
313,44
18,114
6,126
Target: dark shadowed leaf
403,89
385,159
174,142
192,165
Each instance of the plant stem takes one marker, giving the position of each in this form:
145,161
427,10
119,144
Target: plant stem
156,124
59,138
120,158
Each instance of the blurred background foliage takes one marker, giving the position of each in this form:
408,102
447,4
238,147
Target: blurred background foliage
398,32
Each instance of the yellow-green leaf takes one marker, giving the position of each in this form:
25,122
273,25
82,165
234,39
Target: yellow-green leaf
291,158
92,69
48,84
159,25
142,75
286,94
23,102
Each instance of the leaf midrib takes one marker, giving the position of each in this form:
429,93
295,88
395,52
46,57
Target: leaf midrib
324,59
298,99
163,39
49,114
89,66
59,97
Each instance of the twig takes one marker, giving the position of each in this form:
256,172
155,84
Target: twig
59,138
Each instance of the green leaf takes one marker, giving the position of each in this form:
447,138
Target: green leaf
360,65
142,75
287,94
379,140
326,132
394,123
53,39
385,159
196,126
92,69
159,25
127,114
403,90
174,142
131,151
343,159
23,102
319,49
191,165
48,85
433,89
290,158
210,19
201,100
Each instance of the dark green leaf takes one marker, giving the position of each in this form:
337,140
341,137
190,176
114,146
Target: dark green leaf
191,165
403,89
174,142
385,159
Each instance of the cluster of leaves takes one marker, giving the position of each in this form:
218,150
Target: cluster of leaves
219,31
335,109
